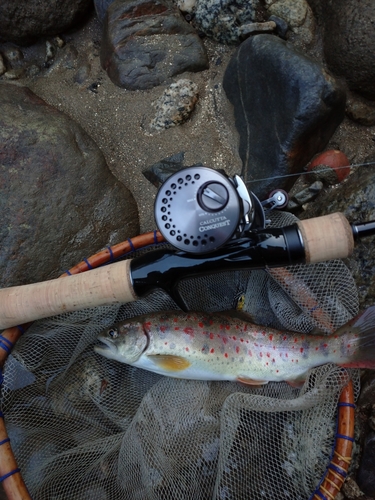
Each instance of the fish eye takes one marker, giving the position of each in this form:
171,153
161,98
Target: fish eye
113,333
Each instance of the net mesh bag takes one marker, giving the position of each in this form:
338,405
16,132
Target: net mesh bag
86,427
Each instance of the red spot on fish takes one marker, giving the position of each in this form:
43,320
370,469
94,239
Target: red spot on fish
148,324
268,355
336,337
317,348
274,347
237,349
221,327
225,340
249,353
163,328
227,327
176,327
271,337
247,341
273,360
241,340
286,354
189,330
218,336
325,345
186,349
211,321
277,371
348,346
266,364
211,335
296,339
175,320
226,354
301,350
263,333
234,338
200,324
285,337
261,354
212,351
256,345
165,343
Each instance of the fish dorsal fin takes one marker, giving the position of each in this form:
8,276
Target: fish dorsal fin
169,362
250,381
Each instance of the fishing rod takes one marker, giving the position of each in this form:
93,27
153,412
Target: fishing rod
213,224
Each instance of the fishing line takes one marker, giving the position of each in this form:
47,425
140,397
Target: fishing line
307,173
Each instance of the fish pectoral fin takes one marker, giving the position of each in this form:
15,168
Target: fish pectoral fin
250,381
296,384
170,362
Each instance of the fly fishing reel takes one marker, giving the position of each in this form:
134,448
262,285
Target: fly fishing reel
198,209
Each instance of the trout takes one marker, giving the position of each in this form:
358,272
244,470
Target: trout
202,346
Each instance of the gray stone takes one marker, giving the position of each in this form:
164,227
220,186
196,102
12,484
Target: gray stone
361,111
175,105
349,43
23,21
223,20
355,198
147,42
59,201
286,109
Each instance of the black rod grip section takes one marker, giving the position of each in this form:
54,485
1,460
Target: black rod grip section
164,268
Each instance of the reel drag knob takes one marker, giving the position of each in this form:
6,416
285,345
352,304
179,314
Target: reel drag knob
213,197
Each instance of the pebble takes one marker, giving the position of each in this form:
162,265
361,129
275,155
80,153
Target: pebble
175,105
361,111
13,55
305,196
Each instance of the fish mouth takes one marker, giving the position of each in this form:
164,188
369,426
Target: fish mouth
107,345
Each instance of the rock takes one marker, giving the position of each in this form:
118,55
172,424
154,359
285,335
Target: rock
305,196
175,105
300,19
160,171
349,43
330,166
101,7
355,199
223,20
352,491
286,109
366,472
24,21
361,111
59,201
146,42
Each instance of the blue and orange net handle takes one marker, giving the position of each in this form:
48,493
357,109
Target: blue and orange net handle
10,474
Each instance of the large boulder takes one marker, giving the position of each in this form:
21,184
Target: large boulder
349,43
23,21
145,42
59,201
286,109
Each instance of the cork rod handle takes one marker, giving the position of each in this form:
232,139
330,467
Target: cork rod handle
326,238
105,285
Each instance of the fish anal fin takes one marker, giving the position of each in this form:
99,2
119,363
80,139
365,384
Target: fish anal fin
170,362
250,381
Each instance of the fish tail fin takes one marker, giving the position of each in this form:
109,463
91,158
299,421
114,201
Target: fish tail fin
358,340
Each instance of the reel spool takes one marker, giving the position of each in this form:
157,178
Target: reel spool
199,209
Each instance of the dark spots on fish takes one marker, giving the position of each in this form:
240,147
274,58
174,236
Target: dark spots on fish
285,337
165,343
227,327
295,340
261,354
163,328
268,355
201,325
237,349
211,335
234,338
271,338
212,350
205,349
301,349
273,360
241,340
226,354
